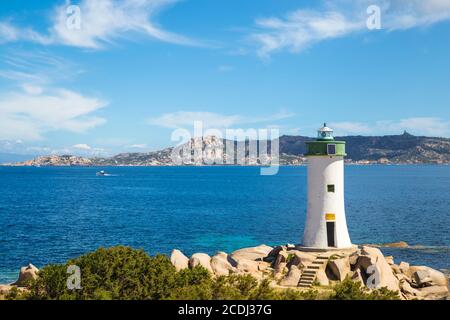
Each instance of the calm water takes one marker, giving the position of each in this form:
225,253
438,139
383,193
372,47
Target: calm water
52,214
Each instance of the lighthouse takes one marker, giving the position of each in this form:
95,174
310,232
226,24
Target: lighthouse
326,226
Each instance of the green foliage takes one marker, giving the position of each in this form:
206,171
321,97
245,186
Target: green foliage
233,287
351,290
113,273
126,273
290,257
13,294
316,283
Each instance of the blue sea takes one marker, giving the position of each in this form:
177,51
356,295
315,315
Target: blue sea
51,214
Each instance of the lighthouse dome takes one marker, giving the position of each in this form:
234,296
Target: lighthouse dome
325,133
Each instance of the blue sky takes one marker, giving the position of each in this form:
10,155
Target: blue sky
136,70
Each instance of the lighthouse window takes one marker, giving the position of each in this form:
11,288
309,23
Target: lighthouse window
330,187
331,149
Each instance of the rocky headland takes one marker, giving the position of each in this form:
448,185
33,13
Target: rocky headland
293,267
362,150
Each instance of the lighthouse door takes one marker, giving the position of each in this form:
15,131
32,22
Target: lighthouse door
330,233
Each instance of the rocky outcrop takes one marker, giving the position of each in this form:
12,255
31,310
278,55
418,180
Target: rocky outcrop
434,292
399,244
301,259
54,160
404,267
390,260
255,268
252,253
426,277
179,260
292,278
340,267
222,264
5,289
377,270
321,278
201,259
288,266
357,277
27,273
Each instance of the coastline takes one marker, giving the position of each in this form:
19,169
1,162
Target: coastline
293,267
228,165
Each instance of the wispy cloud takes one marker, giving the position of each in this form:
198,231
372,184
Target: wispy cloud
37,68
405,14
212,120
25,115
12,33
101,22
82,146
34,105
138,146
302,28
25,148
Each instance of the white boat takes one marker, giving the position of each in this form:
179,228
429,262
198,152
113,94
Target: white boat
101,173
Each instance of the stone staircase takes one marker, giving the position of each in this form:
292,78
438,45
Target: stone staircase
310,272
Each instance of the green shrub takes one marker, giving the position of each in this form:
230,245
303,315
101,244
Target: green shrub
126,273
352,290
113,273
290,257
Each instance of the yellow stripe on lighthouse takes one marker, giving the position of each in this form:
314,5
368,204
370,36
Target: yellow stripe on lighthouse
330,216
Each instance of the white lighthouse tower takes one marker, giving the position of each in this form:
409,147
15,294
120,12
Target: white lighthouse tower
326,226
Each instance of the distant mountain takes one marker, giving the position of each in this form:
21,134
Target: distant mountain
404,148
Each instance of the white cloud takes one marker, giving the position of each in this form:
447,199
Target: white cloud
427,126
138,146
211,120
27,116
101,22
302,28
186,119
82,146
350,128
32,89
81,149
10,33
36,69
402,14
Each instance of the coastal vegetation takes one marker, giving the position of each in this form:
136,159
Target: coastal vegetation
124,273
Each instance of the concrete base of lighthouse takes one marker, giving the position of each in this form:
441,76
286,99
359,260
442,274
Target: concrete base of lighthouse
325,225
350,249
